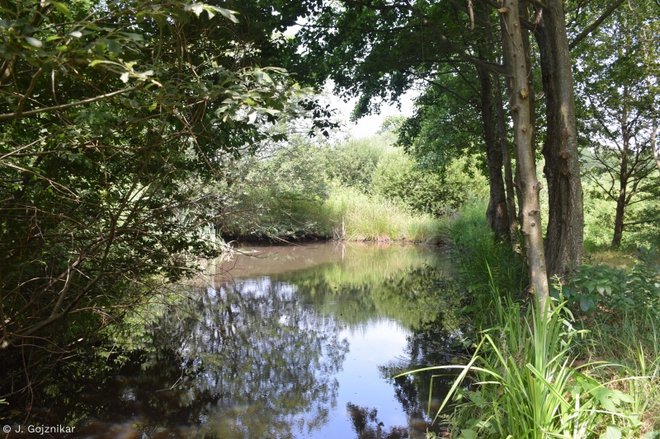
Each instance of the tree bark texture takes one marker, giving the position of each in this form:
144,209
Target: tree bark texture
506,159
497,212
564,239
520,91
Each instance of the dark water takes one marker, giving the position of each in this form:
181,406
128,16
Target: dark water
281,342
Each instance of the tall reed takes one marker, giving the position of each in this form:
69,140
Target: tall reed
360,217
523,381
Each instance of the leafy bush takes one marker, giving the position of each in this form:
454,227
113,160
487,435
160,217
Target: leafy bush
280,196
614,290
360,190
398,177
353,163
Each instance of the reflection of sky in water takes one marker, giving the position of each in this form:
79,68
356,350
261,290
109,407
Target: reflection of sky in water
374,342
360,382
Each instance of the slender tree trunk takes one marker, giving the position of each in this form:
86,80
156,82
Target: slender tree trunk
517,63
620,216
622,198
564,240
497,212
506,159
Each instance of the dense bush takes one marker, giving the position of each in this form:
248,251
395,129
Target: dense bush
281,195
614,290
400,178
354,162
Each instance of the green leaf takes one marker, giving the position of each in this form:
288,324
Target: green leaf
96,62
586,303
61,7
468,434
611,433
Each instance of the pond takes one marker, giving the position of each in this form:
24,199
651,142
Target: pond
280,342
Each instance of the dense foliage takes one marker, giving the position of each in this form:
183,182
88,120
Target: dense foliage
356,190
589,368
138,136
112,125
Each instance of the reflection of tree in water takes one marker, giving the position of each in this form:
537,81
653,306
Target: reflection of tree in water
429,303
246,360
433,343
262,362
367,425
268,361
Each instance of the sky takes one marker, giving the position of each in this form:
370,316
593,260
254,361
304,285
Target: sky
369,125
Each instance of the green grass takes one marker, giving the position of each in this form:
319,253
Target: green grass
633,340
595,375
525,380
360,217
481,262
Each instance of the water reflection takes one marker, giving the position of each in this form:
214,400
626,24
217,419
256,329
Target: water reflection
245,360
305,351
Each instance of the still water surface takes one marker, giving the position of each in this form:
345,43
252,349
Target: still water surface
286,342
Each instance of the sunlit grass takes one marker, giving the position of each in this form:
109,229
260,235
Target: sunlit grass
360,217
612,258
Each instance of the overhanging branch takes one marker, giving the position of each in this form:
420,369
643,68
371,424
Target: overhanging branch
19,114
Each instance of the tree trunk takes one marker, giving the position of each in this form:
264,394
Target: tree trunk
520,91
564,240
506,158
497,212
622,198
619,218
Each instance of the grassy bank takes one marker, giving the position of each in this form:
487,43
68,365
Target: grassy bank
356,216
590,369
345,213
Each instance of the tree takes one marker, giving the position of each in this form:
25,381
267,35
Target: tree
564,238
111,121
516,57
618,86
402,43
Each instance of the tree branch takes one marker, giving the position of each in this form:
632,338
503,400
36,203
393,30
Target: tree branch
19,114
587,30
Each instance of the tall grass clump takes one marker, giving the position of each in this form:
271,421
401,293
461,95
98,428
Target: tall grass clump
543,376
524,381
360,217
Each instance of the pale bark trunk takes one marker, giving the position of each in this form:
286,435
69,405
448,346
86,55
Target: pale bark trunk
517,63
